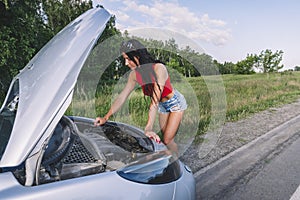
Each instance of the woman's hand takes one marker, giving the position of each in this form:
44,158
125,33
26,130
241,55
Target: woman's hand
153,135
100,121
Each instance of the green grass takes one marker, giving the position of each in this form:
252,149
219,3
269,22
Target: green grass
212,100
253,93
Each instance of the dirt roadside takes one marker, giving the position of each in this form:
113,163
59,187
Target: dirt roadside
237,134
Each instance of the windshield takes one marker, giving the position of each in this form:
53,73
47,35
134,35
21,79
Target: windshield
7,115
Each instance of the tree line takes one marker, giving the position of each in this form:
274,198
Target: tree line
27,25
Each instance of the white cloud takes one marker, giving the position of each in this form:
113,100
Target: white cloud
172,16
122,16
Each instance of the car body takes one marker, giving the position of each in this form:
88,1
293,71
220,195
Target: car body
47,155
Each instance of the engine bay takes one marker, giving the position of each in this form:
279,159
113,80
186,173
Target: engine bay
77,148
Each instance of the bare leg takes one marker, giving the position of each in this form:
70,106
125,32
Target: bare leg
169,124
163,118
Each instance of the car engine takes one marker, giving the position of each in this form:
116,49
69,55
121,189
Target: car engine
77,148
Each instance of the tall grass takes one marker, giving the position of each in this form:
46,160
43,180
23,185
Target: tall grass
249,94
244,95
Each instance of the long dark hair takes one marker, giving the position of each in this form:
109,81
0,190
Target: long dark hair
133,48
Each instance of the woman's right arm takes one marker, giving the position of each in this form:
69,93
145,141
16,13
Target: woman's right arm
121,98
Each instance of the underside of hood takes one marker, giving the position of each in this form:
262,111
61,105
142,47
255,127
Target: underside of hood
46,83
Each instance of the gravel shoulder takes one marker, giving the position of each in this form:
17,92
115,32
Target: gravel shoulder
236,134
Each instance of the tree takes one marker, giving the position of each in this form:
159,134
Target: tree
187,55
58,13
297,68
270,62
247,65
21,35
226,68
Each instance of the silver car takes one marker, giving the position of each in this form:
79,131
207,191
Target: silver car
47,155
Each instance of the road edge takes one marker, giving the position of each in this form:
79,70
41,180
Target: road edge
215,178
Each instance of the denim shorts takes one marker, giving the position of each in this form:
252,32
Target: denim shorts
176,104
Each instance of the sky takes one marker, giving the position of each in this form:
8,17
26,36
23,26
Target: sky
227,30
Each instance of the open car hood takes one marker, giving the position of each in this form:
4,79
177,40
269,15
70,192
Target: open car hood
46,84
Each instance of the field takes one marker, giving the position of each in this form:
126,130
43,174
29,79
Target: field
213,100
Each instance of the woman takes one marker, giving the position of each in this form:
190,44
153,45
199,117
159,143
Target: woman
153,76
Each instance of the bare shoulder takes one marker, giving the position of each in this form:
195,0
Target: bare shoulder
161,72
132,76
160,69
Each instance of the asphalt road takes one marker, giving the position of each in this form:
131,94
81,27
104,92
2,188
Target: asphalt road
278,179
266,168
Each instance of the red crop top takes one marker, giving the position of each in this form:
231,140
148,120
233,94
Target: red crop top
167,88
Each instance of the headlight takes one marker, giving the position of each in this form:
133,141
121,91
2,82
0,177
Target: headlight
157,168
